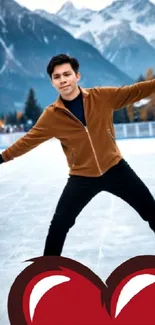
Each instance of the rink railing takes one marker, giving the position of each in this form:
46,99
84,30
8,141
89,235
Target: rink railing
122,131
135,130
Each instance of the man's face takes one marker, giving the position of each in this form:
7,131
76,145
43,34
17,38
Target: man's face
64,79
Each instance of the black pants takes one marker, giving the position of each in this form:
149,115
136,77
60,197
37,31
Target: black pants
119,180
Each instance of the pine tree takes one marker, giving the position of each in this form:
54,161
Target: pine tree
141,78
32,110
2,116
11,118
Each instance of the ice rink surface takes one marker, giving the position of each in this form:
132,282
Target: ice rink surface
107,232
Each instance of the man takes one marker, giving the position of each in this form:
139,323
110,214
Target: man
82,119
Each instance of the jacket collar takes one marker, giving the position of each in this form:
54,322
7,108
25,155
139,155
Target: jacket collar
59,103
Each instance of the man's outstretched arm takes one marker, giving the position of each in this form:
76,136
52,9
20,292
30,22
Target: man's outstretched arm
40,132
119,97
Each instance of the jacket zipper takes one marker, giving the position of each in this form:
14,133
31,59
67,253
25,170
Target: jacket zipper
87,131
86,128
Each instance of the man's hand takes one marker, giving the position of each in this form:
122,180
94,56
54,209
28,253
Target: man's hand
1,159
40,132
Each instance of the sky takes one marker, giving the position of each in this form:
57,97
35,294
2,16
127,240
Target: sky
54,5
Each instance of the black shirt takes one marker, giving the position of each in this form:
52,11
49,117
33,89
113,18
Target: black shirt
76,107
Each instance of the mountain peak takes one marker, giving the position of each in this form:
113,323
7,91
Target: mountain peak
67,6
119,4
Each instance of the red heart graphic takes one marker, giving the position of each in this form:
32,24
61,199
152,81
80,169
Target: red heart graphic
65,292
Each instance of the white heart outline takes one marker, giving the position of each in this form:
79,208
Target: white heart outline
41,288
132,288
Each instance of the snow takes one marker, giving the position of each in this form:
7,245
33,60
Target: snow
19,17
9,52
10,56
4,30
42,75
2,20
3,68
147,31
46,40
107,232
98,24
127,13
19,105
102,28
92,26
113,57
142,102
33,24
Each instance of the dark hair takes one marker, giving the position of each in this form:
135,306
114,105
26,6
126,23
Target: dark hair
61,59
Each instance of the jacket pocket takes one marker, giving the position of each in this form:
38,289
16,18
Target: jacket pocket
73,157
110,134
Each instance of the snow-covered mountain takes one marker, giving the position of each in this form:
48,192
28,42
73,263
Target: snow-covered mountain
139,13
123,32
127,49
27,42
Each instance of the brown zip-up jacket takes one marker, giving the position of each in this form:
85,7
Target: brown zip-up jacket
92,150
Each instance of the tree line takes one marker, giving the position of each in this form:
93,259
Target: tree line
32,111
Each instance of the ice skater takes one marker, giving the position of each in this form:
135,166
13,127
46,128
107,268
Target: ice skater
82,120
